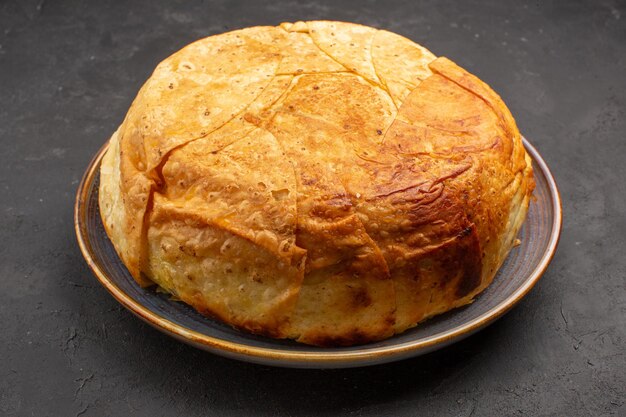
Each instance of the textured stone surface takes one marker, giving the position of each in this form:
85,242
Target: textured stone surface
68,72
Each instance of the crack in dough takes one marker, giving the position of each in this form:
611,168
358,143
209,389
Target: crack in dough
400,62
371,78
381,80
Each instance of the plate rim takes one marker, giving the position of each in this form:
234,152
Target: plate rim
315,359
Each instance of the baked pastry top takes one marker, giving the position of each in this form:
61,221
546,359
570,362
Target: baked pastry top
321,181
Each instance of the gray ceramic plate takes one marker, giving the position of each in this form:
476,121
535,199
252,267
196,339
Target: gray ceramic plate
520,272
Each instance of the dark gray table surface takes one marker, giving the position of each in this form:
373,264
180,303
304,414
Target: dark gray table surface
68,72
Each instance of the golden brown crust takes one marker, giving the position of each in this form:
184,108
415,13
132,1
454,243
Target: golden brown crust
321,181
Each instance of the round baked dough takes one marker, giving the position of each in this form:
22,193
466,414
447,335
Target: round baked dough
321,181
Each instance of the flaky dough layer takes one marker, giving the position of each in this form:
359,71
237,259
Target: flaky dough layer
321,181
